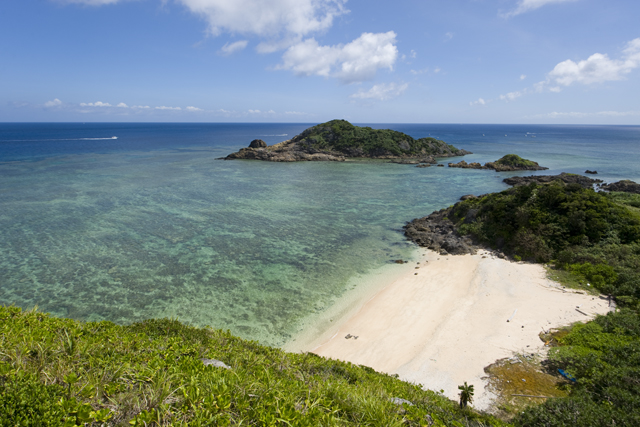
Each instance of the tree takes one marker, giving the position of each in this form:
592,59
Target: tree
466,394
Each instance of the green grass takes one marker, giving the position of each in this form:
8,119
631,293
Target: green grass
60,372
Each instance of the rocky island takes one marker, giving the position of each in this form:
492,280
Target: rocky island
510,162
339,140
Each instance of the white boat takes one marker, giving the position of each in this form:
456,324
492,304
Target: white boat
114,137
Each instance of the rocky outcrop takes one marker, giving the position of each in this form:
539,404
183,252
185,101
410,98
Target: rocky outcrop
567,178
626,186
437,232
510,162
258,143
465,165
339,140
286,151
426,160
591,172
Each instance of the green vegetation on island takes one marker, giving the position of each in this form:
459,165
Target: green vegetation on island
338,140
594,239
342,136
60,372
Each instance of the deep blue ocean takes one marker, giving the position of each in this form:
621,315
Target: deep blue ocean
152,224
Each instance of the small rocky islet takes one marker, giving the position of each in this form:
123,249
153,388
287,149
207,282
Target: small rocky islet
339,140
508,163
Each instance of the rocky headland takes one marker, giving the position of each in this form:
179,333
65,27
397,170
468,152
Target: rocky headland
339,140
437,232
625,186
508,163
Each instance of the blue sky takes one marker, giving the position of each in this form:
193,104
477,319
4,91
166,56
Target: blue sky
403,61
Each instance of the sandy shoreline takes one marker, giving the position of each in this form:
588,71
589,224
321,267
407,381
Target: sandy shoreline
441,327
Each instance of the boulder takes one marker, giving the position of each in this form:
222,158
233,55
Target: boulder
258,143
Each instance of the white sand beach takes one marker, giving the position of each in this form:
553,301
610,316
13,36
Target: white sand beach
442,326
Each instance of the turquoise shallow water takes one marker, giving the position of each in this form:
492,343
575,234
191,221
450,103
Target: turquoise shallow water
130,232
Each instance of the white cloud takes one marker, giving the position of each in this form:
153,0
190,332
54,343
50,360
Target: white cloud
354,62
254,111
95,104
511,96
480,101
144,107
448,36
267,18
193,109
122,105
295,113
437,70
55,103
228,49
91,2
417,72
413,54
381,92
529,5
523,76
574,114
168,108
598,68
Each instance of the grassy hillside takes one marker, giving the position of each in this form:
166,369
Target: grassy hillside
342,136
60,372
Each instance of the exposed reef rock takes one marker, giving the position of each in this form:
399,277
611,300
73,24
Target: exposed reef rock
510,162
591,172
626,186
567,178
339,140
437,232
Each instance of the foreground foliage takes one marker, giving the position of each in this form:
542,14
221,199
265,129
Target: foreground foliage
60,372
594,237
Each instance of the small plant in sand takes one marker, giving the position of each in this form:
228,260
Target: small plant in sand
466,394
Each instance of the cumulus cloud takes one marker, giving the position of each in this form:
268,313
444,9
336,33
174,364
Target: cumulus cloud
168,108
254,111
55,103
381,92
529,5
523,76
267,18
193,109
95,104
143,107
122,105
598,68
354,62
230,48
480,101
511,96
